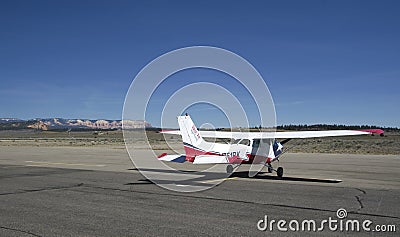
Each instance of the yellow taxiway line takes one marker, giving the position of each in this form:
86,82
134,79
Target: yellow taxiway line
215,180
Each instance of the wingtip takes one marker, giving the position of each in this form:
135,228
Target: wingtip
375,131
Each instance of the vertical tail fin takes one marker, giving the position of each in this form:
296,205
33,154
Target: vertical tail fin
189,132
193,143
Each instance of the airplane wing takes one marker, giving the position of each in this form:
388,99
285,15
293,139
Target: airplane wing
285,135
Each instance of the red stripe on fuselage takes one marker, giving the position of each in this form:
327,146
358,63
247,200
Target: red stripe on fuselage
191,153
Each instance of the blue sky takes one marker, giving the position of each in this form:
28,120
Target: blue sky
324,61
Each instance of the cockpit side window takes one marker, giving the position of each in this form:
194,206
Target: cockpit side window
245,142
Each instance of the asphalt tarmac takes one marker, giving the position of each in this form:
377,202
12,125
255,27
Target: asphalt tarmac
72,191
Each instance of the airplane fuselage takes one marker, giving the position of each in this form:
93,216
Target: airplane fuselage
263,151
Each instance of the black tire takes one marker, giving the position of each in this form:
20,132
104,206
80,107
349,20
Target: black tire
279,172
229,169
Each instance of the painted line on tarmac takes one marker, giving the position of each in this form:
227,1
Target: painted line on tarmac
218,180
38,163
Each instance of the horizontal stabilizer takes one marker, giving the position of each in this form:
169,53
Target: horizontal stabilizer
172,132
172,158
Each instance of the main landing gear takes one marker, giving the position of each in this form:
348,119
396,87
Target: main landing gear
230,168
279,170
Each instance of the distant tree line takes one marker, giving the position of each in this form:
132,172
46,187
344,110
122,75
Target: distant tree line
305,127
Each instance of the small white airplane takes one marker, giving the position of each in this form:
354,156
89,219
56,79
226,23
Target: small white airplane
246,148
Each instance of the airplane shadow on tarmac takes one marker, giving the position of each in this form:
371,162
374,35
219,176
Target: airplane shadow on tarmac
262,175
240,174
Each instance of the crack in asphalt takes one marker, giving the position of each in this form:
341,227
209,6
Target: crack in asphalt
18,230
234,201
359,199
41,189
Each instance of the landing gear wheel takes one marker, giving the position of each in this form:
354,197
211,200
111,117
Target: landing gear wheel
279,172
270,169
229,169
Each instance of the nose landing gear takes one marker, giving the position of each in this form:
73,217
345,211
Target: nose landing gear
279,170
